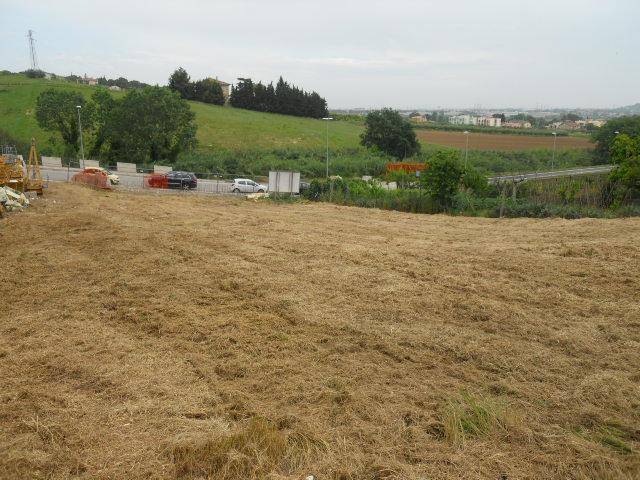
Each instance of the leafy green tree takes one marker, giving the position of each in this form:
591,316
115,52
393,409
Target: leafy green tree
570,117
148,124
388,132
56,111
605,135
31,73
180,82
501,116
103,105
625,155
208,90
443,176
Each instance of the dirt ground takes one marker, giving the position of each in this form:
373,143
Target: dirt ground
501,142
146,336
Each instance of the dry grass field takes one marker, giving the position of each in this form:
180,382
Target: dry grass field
146,336
500,142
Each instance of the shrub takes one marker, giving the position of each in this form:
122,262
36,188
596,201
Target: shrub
442,177
31,73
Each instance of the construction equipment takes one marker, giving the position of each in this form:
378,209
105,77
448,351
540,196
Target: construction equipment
33,179
12,169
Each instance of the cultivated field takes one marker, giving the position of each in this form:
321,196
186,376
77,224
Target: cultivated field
146,336
497,141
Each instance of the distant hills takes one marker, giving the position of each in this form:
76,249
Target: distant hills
629,109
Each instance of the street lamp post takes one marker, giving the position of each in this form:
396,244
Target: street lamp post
466,150
80,130
327,119
553,159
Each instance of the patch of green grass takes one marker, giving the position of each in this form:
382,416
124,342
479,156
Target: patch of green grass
236,129
471,416
611,435
614,438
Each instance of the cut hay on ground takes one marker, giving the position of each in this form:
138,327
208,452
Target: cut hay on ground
147,336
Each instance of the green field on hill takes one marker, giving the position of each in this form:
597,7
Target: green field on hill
218,127
232,140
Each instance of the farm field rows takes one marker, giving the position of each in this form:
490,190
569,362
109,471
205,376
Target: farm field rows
196,337
496,141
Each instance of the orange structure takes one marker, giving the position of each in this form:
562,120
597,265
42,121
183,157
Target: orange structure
93,177
406,166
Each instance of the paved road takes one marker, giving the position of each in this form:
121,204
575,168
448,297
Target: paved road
133,180
571,172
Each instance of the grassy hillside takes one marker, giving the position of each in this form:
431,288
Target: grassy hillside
18,96
218,127
241,141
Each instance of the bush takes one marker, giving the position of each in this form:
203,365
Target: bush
34,73
442,177
360,193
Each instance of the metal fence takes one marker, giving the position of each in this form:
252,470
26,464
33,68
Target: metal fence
207,182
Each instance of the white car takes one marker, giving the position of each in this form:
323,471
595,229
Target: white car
244,185
113,178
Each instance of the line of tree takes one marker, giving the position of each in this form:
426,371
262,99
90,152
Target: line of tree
389,132
207,90
145,125
121,82
283,98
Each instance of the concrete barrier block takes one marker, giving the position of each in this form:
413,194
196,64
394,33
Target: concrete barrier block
51,162
126,167
161,169
89,163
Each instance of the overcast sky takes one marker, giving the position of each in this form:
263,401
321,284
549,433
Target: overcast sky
356,53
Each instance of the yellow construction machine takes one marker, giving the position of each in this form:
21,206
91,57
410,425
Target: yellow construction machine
14,173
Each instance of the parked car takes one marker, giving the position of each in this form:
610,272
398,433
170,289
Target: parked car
244,185
113,178
183,180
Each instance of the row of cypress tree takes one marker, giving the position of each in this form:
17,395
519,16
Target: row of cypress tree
283,98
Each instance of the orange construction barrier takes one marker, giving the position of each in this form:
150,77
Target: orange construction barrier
156,180
406,166
93,178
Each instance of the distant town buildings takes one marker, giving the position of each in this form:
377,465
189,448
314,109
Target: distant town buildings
89,80
226,88
485,121
595,123
516,124
419,119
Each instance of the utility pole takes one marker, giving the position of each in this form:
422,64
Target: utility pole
553,159
466,151
327,119
80,130
32,51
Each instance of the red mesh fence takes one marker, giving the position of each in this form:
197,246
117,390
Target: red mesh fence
406,166
156,180
92,178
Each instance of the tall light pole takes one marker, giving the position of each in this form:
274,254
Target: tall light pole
327,119
466,150
553,159
80,130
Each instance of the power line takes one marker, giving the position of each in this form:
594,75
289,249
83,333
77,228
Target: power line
32,51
